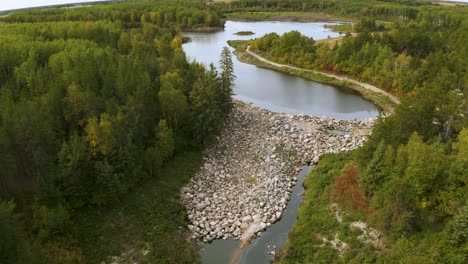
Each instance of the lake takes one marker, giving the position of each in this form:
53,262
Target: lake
274,90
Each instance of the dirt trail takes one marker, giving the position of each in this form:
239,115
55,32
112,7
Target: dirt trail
338,77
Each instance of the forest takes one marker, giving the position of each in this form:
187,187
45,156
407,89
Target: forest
103,119
92,105
389,9
163,13
409,180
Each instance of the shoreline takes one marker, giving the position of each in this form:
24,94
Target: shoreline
202,29
247,176
381,98
290,16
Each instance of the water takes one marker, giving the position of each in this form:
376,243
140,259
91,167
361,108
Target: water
274,90
224,251
279,92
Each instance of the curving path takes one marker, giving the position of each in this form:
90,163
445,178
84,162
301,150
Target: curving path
338,77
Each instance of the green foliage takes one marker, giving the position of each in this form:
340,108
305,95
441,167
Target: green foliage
315,220
367,25
461,146
93,101
376,9
457,228
173,101
52,221
290,48
187,13
14,245
147,218
164,140
414,166
204,97
379,167
227,80
409,214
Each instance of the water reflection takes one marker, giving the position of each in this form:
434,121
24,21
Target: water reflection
279,91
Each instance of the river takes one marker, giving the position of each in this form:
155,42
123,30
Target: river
277,92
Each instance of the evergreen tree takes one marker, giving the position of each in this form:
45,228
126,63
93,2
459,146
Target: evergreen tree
227,79
204,105
379,168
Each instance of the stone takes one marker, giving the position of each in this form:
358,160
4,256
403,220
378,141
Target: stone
278,215
244,225
256,217
246,219
219,205
201,206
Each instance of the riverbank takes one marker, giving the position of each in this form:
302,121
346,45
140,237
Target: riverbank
246,178
284,16
325,228
383,99
202,29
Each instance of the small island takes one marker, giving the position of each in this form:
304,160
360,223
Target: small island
244,33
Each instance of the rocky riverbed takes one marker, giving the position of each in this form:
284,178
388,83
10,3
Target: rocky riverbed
247,175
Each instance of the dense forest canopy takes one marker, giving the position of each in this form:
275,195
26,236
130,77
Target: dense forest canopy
381,9
93,101
182,13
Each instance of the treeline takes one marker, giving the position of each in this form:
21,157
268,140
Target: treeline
88,109
377,9
183,13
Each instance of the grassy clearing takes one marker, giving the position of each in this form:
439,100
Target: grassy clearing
341,28
147,225
381,100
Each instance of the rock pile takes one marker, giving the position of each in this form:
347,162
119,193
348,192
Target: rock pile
247,176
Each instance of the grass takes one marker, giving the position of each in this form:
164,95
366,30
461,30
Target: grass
381,100
341,28
244,33
147,226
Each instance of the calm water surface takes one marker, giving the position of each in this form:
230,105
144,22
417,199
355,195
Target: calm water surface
274,90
